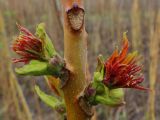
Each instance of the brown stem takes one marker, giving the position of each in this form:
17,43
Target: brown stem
75,53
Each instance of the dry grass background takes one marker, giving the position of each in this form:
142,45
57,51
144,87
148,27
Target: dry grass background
106,20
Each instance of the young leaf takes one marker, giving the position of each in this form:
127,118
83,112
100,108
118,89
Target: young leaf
98,75
35,68
48,45
100,63
112,97
50,100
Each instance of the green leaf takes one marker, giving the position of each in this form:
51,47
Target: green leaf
116,94
112,97
48,46
35,68
100,63
99,74
48,99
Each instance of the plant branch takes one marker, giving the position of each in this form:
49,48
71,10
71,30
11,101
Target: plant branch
75,53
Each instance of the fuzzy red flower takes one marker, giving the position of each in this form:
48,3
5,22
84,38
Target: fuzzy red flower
27,46
122,70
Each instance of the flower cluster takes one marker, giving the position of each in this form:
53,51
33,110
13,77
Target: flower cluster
40,58
122,70
27,46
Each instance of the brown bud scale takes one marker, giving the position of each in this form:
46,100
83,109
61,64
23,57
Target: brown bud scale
76,18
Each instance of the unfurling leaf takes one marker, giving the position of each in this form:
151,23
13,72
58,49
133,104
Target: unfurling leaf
100,63
48,45
112,97
34,67
99,74
51,101
37,68
98,93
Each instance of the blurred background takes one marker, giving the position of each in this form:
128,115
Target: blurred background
106,20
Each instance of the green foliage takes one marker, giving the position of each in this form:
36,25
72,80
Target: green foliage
102,94
98,75
35,68
51,101
52,63
48,45
106,96
111,97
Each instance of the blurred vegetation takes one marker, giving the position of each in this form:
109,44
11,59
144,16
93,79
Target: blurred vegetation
106,20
